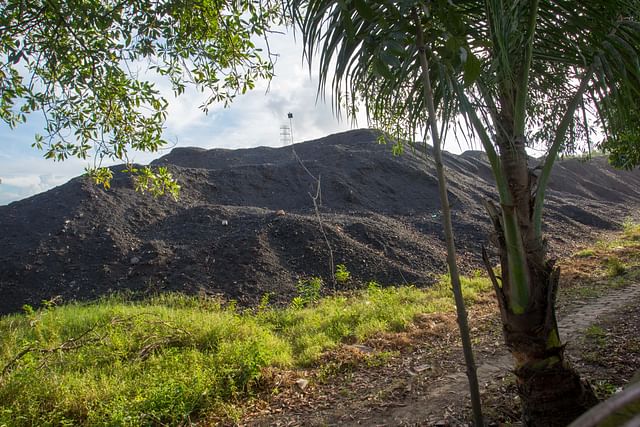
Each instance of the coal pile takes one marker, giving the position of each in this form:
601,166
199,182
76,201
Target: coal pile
245,223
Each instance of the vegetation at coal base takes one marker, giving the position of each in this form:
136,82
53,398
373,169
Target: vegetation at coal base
173,359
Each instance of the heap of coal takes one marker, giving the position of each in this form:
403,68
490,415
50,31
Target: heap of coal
246,225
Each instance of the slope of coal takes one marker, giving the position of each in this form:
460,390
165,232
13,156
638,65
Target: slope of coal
245,223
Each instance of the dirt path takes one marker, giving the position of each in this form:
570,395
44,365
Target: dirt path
418,389
579,317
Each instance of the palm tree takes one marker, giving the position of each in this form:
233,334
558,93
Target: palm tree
510,74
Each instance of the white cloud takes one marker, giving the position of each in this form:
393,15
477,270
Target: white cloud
24,181
25,175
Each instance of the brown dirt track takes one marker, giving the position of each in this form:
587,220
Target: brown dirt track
380,213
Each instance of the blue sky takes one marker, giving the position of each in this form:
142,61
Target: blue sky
253,119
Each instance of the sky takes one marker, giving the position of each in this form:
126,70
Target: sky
252,120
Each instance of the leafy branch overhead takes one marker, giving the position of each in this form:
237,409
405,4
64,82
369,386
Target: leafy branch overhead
89,66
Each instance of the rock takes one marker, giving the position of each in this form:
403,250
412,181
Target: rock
280,212
302,383
134,260
362,348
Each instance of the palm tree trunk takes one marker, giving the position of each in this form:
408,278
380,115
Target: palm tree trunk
448,232
551,391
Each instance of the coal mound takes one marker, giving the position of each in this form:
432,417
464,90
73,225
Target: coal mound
246,225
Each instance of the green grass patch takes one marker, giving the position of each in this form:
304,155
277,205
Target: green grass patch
614,266
631,230
610,264
586,253
172,359
596,334
629,237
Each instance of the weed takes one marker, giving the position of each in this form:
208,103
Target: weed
342,274
596,334
381,358
604,389
592,357
587,292
264,302
308,292
585,253
478,273
373,286
631,229
614,266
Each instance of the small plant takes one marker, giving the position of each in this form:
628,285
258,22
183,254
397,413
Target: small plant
585,253
614,266
342,274
308,292
373,286
596,334
604,389
264,302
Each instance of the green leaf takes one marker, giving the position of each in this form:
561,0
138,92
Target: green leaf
472,69
364,9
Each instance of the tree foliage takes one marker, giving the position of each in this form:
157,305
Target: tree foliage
510,75
623,146
89,66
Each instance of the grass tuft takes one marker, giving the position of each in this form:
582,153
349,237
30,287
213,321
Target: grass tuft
585,253
614,266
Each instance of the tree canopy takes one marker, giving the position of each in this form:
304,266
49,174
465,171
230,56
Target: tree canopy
623,146
509,74
89,66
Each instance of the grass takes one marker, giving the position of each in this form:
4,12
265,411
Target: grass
586,253
614,266
596,334
173,359
631,230
609,264
630,237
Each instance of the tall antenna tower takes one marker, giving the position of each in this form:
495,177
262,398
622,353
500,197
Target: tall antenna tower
285,135
286,131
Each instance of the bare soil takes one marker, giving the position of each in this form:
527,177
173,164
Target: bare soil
245,223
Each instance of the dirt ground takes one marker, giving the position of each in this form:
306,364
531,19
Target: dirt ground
418,378
245,223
